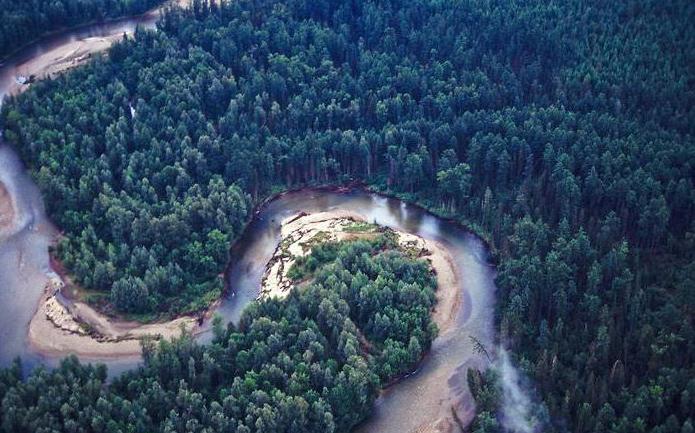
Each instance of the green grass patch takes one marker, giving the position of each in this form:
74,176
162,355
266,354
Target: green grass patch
360,227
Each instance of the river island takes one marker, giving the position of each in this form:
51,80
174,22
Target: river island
64,326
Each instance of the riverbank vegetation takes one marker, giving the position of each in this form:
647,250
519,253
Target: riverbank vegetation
312,362
563,131
26,21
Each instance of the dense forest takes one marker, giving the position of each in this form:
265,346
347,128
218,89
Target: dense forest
310,363
24,21
561,131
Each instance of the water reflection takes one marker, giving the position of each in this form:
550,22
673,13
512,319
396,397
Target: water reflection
24,262
16,65
438,385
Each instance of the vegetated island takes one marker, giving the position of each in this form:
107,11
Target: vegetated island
293,259
62,326
315,359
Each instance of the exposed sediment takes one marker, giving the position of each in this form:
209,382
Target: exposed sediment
7,212
77,51
60,327
55,61
299,233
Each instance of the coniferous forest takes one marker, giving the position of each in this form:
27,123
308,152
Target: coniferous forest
560,131
293,365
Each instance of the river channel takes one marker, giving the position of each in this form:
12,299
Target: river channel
427,395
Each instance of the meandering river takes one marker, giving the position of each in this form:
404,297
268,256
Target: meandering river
440,383
24,245
420,401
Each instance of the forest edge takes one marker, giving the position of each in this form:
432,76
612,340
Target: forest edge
103,337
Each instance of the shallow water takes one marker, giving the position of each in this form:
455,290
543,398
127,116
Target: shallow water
439,384
23,257
24,248
15,64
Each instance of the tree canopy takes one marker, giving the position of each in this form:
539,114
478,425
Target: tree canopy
561,131
312,362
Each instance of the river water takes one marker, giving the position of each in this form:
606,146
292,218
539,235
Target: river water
440,383
19,63
24,248
428,394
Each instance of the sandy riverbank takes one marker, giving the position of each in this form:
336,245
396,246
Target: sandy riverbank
61,327
60,59
6,210
75,52
300,232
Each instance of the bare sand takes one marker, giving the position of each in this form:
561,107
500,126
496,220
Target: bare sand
61,328
74,53
60,59
7,212
442,425
300,232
